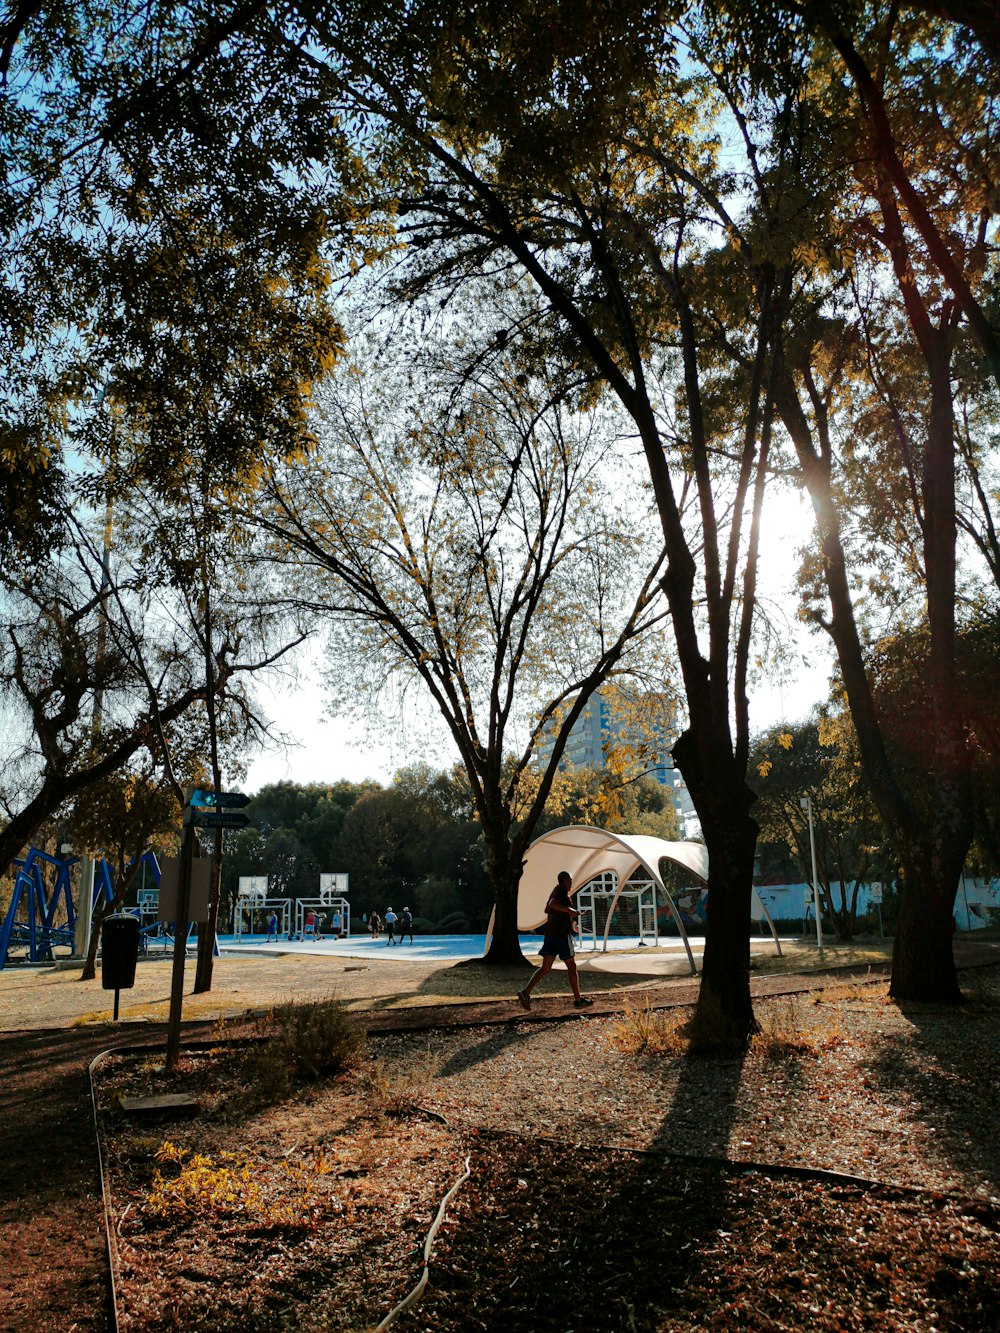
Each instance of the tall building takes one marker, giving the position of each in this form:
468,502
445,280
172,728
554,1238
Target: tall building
602,725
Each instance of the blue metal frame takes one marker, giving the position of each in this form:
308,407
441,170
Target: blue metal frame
37,929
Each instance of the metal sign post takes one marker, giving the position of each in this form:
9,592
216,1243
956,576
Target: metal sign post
876,890
180,938
202,809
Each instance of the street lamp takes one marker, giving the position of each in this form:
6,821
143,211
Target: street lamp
806,803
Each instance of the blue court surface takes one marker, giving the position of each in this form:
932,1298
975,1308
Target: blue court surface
427,948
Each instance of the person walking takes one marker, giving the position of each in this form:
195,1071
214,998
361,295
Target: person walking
560,922
390,919
272,927
405,924
375,925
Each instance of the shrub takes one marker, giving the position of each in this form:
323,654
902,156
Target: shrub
454,923
644,1030
304,1042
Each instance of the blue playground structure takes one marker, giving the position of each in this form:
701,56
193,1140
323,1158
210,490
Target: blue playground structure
33,922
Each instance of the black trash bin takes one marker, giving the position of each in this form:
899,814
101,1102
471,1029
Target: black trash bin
119,952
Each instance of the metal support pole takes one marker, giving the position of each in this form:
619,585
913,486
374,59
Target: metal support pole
807,805
181,925
85,914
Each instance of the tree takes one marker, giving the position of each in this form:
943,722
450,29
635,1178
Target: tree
451,533
899,203
164,305
162,254
819,759
566,140
120,818
811,391
52,679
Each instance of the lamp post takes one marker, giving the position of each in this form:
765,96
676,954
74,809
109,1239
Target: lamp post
806,803
965,899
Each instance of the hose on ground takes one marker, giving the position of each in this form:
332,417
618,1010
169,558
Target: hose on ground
109,1230
414,1296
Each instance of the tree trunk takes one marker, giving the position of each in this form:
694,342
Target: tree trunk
923,960
724,1016
505,878
931,837
505,946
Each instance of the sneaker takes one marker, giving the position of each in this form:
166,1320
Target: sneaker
582,1003
524,999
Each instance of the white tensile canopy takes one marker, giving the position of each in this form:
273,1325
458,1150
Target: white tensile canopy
588,852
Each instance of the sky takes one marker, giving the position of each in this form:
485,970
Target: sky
325,749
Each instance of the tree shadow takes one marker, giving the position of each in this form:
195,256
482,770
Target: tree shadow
702,1095
951,1097
492,1045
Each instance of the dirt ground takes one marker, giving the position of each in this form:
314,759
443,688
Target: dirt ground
55,1273
42,997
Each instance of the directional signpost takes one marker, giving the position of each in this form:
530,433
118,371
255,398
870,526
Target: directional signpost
217,809
219,819
202,809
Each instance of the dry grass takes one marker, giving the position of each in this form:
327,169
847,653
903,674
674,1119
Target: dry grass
643,1030
394,1090
789,1025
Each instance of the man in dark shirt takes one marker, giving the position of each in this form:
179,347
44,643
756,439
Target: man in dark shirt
560,918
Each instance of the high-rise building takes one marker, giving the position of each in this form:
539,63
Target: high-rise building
603,724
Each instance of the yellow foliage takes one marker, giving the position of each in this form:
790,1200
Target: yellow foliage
230,1187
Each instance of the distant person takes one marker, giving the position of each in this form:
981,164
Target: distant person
337,926
390,919
272,927
310,925
560,922
405,924
375,925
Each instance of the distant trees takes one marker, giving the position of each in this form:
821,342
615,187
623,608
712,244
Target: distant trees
417,844
819,759
639,804
414,843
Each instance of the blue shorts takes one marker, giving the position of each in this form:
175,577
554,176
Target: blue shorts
557,946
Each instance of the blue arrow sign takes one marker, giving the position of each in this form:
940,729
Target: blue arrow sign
216,800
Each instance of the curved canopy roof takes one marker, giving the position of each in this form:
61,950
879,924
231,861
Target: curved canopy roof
588,852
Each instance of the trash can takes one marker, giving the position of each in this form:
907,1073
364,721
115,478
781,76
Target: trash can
119,951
